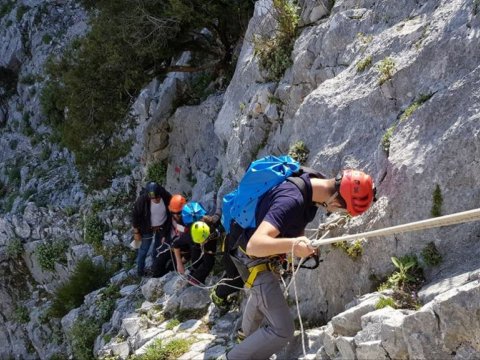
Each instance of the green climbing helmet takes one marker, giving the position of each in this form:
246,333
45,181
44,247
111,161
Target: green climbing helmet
200,232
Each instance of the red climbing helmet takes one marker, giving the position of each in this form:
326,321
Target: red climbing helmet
357,189
176,203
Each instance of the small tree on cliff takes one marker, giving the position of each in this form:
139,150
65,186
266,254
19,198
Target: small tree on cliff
130,42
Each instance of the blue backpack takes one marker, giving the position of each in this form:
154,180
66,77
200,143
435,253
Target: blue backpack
261,176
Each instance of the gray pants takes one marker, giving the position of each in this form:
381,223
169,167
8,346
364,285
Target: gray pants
265,305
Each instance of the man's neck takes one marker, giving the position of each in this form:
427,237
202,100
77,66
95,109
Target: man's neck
321,189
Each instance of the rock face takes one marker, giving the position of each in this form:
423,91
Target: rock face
414,126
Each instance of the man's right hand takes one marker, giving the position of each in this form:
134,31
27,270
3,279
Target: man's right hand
302,247
180,268
137,237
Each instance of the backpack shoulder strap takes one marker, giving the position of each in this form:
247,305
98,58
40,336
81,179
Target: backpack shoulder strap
300,184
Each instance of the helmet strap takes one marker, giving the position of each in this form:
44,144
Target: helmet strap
325,204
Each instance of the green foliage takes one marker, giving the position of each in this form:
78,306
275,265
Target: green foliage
430,255
199,89
414,106
21,315
58,356
8,83
408,274
191,178
171,324
5,9
21,10
402,275
157,172
129,43
364,63
386,138
94,230
14,248
14,176
3,189
45,154
170,351
187,314
386,68
299,151
405,282
437,202
10,201
106,304
218,180
384,302
47,39
48,253
274,53
28,79
86,277
13,144
354,250
364,39
82,337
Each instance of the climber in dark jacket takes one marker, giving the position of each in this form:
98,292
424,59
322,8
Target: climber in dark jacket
151,220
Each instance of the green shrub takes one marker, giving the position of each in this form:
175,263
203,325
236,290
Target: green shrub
354,250
3,189
8,82
171,324
364,39
430,255
86,277
199,89
364,63
384,302
274,53
414,106
58,356
10,201
28,79
106,304
5,9
94,230
82,337
386,68
13,144
14,176
170,351
47,39
129,43
299,151
45,154
70,210
48,253
405,282
387,138
437,202
157,172
21,10
407,276
14,248
21,315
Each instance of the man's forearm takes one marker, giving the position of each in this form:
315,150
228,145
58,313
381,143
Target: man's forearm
264,245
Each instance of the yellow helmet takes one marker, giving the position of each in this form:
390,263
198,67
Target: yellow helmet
200,232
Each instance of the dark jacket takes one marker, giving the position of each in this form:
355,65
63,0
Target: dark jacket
141,212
